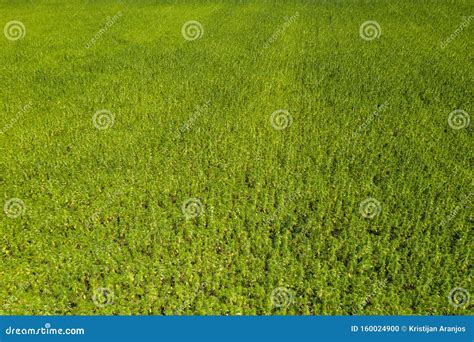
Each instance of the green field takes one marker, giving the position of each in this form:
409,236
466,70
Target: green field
239,157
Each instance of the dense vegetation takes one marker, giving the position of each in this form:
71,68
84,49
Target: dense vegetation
250,157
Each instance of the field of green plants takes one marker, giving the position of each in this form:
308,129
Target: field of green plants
236,158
